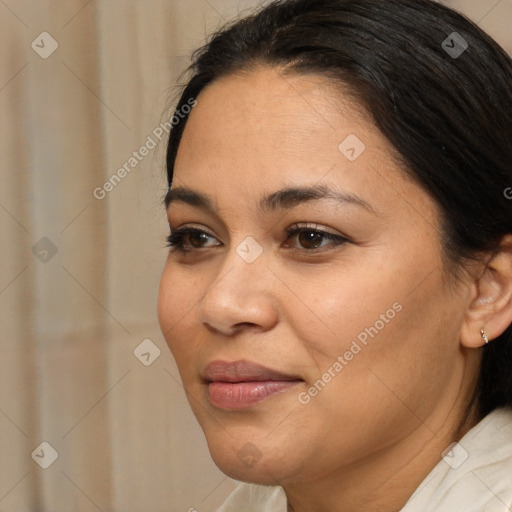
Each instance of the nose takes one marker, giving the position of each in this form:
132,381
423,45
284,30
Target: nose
242,295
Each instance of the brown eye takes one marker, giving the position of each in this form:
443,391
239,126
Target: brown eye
311,238
197,238
188,239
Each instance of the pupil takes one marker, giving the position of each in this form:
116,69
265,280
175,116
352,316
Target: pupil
313,238
195,237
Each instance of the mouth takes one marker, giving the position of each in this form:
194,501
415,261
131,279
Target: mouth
242,384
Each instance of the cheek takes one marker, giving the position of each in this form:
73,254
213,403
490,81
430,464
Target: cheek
347,310
381,339
394,356
178,296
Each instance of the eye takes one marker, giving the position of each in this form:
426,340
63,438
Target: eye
311,238
188,239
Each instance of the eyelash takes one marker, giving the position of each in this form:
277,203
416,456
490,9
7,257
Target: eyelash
175,240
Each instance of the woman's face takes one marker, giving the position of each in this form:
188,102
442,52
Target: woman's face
357,335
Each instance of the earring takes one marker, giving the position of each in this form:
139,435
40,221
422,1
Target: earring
484,336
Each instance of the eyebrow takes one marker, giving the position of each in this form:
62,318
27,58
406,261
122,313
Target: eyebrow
283,199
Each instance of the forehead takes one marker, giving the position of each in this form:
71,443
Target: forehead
262,130
277,107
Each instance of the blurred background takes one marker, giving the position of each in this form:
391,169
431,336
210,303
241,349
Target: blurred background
92,413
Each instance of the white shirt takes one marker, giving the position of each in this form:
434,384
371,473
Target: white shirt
474,476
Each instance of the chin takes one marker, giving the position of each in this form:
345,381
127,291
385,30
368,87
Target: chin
247,465
252,459
260,445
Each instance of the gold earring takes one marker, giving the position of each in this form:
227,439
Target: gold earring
484,336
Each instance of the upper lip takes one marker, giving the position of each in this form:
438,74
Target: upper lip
242,371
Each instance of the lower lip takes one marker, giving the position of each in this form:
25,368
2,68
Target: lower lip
240,395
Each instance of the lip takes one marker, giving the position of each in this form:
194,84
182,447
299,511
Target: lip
242,384
242,371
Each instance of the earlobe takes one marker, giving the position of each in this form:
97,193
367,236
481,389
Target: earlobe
471,337
490,312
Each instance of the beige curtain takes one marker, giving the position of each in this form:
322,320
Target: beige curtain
92,413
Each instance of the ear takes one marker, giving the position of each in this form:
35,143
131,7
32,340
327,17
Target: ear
491,306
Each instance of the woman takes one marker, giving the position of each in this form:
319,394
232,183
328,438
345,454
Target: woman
338,289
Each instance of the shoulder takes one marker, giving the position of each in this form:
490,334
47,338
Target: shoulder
475,474
255,498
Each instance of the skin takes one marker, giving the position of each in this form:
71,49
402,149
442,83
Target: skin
372,434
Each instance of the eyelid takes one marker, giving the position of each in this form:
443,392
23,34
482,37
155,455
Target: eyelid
199,227
313,226
295,226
